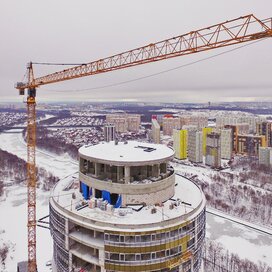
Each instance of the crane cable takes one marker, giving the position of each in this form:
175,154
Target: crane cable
158,73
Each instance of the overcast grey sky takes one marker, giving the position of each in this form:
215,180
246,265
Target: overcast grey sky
81,31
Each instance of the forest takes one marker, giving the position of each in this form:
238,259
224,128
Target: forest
52,144
218,259
13,171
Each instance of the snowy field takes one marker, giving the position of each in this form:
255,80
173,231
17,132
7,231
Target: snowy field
247,243
13,205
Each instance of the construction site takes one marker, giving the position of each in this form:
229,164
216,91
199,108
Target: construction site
128,210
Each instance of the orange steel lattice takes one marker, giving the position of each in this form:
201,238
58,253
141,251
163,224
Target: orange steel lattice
31,173
31,184
240,30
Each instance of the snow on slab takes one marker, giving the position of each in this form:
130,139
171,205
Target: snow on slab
185,190
130,152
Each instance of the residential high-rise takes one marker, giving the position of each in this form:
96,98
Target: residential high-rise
109,132
234,119
195,150
213,150
265,128
129,212
238,129
250,144
198,120
124,122
133,121
170,123
265,156
226,143
156,134
180,143
205,131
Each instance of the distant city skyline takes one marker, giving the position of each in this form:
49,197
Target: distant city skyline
72,32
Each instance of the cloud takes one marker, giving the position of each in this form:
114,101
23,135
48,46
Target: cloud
69,31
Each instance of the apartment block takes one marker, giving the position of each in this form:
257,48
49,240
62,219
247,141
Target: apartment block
155,129
237,129
199,120
180,143
170,123
205,131
195,150
265,128
133,121
250,144
265,156
226,143
213,150
234,119
124,122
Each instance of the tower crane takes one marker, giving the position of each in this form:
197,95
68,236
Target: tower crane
240,30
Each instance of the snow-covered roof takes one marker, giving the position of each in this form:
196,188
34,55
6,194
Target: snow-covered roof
190,198
129,152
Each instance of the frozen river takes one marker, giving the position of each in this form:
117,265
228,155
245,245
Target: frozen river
246,242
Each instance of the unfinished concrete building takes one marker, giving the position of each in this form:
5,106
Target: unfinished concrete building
128,213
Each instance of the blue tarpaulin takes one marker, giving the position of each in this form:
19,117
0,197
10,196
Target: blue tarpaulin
118,202
106,196
85,190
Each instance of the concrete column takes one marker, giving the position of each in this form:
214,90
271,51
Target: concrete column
155,170
70,261
163,167
196,231
88,167
97,169
101,257
144,171
81,165
192,265
118,173
66,234
127,174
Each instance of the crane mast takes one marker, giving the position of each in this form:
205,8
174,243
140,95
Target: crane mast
31,171
243,29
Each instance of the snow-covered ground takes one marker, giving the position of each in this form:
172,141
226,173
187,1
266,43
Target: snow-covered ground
13,205
245,242
238,239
